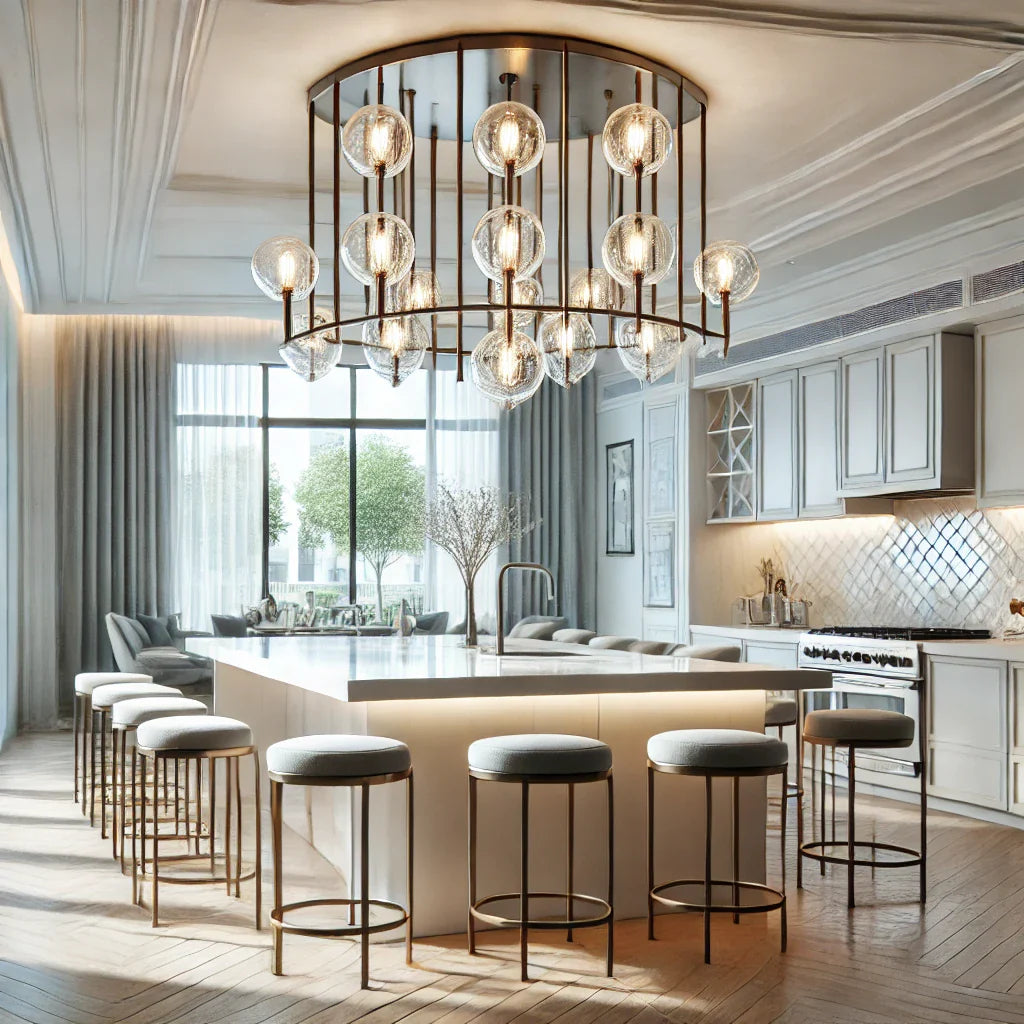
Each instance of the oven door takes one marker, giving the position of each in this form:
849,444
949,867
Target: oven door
865,691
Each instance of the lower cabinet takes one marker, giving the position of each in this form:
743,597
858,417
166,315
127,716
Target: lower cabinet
967,728
761,652
1016,779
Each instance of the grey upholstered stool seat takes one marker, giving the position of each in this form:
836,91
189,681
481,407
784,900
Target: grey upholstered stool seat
196,738
709,754
356,763
573,636
540,754
338,756
780,711
106,696
652,646
717,748
706,652
131,713
125,717
612,643
194,732
528,760
853,729
863,727
85,683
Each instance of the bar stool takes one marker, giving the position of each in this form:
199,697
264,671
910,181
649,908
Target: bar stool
354,762
710,754
125,717
530,760
212,738
101,700
862,729
780,712
85,683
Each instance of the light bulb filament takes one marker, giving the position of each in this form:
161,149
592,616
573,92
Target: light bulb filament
567,341
510,367
646,339
726,272
380,249
636,139
286,271
392,337
379,142
508,244
636,249
508,138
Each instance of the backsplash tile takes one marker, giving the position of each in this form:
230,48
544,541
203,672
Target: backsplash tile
936,562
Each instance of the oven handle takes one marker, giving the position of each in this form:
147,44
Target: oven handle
853,683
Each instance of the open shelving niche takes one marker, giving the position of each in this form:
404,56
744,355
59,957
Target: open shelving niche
730,453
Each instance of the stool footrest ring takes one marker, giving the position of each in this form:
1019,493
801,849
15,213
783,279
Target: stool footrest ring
184,858
720,908
810,850
550,923
336,931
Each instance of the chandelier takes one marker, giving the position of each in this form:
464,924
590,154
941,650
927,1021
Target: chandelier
564,182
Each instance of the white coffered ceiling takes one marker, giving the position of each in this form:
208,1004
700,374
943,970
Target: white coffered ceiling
147,146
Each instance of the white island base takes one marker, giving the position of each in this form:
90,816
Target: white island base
279,700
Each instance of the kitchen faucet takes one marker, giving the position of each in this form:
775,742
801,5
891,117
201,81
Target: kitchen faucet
531,567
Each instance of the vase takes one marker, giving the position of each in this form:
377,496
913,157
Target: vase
471,640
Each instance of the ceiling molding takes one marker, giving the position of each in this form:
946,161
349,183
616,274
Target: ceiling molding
818,21
12,199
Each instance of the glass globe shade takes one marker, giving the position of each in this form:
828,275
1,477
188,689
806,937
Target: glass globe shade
711,347
378,244
726,267
568,344
528,292
395,349
420,290
653,351
636,137
283,264
377,138
509,134
638,243
315,356
507,370
595,288
508,238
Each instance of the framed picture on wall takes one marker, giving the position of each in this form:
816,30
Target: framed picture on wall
619,498
659,566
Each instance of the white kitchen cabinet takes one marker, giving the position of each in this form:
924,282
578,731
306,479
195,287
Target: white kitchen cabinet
999,368
760,652
861,438
776,442
818,431
699,639
967,729
1016,777
908,417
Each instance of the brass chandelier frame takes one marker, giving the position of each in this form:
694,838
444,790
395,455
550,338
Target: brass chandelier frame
328,90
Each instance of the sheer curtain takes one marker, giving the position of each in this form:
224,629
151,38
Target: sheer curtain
219,465
463,450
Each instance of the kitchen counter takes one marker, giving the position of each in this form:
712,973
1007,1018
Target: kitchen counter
772,634
438,697
996,648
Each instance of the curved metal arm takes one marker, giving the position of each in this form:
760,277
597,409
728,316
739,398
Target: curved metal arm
530,567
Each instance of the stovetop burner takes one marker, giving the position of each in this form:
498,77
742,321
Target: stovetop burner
914,633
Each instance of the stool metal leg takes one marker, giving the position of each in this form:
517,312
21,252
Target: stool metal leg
236,768
156,839
471,927
524,893
782,852
74,733
136,826
569,872
92,769
736,841
213,811
707,869
364,888
851,838
103,774
409,865
123,793
610,954
824,834
650,852
227,822
258,875
276,793
924,828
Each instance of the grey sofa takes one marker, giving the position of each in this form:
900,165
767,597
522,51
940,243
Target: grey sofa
135,651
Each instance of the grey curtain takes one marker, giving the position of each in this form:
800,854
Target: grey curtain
115,402
548,449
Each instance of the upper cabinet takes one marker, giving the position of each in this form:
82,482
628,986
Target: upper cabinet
999,360
730,454
776,442
908,417
818,454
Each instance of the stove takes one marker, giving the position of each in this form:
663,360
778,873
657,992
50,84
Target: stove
876,667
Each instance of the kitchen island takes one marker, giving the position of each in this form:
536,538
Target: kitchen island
437,696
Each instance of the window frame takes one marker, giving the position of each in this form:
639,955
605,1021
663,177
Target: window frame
351,424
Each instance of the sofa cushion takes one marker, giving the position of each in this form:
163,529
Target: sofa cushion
573,636
159,635
131,632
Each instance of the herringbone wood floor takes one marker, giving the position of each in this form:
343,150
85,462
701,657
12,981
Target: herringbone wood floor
73,949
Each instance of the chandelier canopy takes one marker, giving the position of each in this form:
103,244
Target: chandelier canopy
565,186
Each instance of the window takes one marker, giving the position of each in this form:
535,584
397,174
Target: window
344,485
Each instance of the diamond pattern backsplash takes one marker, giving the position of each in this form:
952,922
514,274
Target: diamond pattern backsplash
938,562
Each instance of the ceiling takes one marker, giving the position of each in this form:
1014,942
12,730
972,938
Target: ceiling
147,146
